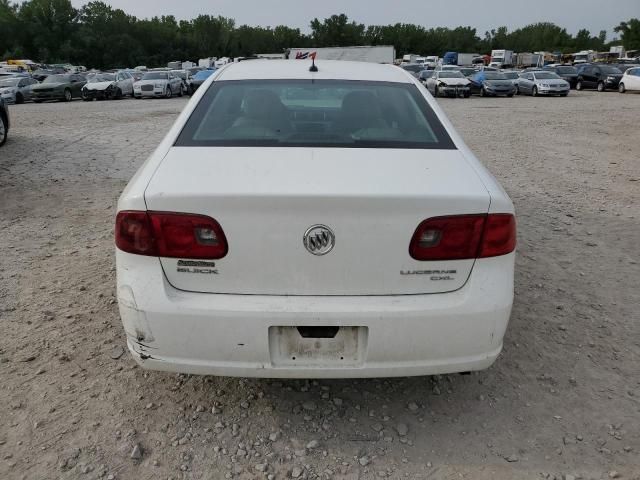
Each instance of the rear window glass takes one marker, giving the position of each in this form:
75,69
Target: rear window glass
320,113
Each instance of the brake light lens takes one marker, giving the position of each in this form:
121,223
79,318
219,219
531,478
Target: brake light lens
499,235
461,237
170,235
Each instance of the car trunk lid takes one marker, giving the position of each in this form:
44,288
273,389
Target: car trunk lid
266,199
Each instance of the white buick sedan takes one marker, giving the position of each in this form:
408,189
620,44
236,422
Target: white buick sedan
314,224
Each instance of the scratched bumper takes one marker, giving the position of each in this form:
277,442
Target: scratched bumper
228,335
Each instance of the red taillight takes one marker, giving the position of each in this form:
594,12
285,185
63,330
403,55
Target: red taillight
462,237
172,235
499,235
134,233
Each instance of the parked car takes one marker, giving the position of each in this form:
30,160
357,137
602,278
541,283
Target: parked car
16,89
449,84
4,122
630,80
158,84
513,76
107,86
41,74
396,183
199,78
425,75
565,72
59,87
413,68
487,83
542,83
600,77
185,76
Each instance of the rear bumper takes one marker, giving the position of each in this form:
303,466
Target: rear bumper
228,335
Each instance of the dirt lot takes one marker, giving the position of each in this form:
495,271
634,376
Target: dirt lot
562,400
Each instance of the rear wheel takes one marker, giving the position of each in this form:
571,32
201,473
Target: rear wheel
67,95
436,91
37,101
601,86
118,94
169,93
621,88
483,92
534,91
579,85
517,90
3,130
510,95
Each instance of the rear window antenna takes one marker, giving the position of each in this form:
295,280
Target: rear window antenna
313,67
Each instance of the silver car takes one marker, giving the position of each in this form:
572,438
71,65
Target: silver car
16,89
158,84
542,83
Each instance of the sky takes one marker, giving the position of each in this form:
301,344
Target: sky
484,15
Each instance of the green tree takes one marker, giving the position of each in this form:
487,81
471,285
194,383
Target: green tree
630,33
48,29
336,31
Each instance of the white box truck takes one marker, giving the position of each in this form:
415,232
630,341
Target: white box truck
501,58
377,54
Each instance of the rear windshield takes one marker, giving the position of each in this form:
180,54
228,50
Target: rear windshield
611,70
320,113
567,70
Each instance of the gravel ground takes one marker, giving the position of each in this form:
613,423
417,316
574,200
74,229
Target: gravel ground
562,401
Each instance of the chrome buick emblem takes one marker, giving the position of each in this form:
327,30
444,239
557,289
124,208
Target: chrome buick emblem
319,240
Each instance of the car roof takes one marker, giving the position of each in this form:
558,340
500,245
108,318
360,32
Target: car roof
327,70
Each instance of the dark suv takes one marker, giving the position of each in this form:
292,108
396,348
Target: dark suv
4,122
565,72
600,77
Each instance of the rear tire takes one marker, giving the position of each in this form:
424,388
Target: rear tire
67,95
601,87
37,101
534,91
169,93
517,90
19,99
118,94
621,88
579,85
3,130
510,95
483,92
